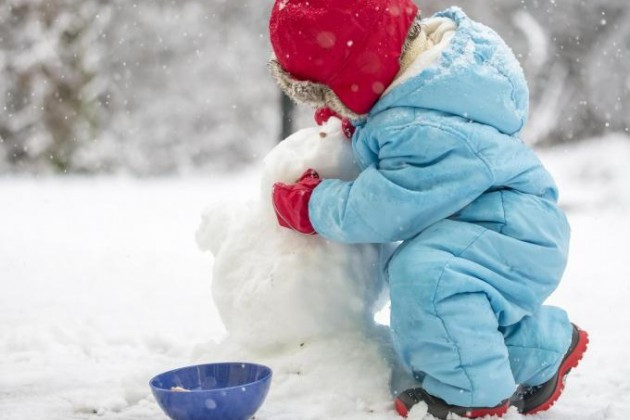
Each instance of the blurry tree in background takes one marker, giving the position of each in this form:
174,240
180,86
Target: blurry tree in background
287,109
192,87
53,92
171,86
147,87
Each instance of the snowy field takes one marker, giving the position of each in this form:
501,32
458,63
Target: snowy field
102,286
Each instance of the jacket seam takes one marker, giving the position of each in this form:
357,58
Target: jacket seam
512,96
504,212
534,348
437,314
451,131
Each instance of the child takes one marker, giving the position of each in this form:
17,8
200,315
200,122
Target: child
437,105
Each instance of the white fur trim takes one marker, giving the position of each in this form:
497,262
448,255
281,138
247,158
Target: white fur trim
426,49
311,93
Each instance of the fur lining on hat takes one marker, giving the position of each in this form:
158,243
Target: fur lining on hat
307,92
319,95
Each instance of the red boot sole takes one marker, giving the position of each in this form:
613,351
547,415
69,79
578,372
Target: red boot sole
401,408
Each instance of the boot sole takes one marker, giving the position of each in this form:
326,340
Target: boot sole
571,361
401,408
473,413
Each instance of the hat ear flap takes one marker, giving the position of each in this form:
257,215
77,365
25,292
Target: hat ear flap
300,91
307,92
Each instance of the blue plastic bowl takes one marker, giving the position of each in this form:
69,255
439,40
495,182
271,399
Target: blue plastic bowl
225,391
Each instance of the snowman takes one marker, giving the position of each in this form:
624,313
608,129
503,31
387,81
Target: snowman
301,304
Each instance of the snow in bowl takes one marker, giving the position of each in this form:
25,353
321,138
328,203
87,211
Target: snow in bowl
220,391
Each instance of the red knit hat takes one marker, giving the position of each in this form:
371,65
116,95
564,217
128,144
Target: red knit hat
351,46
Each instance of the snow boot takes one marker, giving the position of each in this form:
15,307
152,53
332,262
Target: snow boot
534,399
440,409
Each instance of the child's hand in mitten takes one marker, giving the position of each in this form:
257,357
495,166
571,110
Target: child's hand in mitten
291,202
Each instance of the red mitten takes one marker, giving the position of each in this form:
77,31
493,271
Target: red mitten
322,115
291,202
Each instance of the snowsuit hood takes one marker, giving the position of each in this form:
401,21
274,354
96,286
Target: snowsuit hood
476,77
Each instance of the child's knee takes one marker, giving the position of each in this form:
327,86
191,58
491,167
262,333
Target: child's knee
415,263
413,279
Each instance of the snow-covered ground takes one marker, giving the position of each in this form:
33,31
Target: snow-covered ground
102,286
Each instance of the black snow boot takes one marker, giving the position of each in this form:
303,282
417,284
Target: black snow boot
534,399
440,409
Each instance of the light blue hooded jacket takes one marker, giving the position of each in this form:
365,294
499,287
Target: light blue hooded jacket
443,170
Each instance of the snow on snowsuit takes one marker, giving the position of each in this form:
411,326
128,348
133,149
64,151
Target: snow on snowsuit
484,242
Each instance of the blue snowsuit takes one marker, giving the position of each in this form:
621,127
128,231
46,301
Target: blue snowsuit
484,242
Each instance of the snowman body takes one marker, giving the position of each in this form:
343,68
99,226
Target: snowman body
301,304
